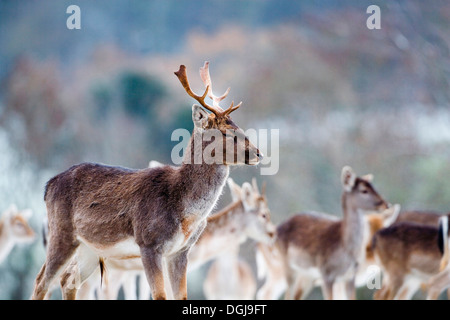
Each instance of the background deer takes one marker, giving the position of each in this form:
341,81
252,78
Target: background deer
314,247
100,212
408,253
14,229
270,265
229,278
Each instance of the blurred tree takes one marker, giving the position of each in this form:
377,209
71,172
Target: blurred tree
140,93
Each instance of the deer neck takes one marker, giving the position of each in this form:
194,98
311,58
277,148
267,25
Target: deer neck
205,181
6,241
227,221
352,226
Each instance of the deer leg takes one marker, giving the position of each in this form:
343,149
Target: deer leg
272,289
58,257
437,284
383,293
177,268
304,286
152,261
144,289
327,288
291,281
407,291
350,289
129,286
81,268
394,286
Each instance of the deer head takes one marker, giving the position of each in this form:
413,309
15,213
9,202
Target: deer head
16,223
360,193
231,145
258,223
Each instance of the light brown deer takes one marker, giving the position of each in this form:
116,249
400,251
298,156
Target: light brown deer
229,278
14,229
100,212
408,253
314,247
270,264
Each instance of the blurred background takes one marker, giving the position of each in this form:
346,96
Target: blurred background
340,94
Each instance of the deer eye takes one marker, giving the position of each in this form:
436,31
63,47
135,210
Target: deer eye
365,191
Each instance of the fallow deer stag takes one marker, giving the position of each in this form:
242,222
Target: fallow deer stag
14,229
315,247
100,212
247,217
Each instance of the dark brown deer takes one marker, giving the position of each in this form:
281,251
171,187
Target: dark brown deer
99,212
314,247
410,255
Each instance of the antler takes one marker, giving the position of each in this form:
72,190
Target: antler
255,185
181,74
204,75
206,78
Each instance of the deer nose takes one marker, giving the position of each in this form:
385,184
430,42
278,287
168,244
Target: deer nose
259,155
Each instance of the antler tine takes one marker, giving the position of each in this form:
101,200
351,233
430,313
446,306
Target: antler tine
206,78
263,188
231,108
181,74
255,185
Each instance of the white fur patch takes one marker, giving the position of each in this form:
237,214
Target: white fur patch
124,249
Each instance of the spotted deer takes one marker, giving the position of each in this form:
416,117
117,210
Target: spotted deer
98,212
14,229
314,247
409,255
271,269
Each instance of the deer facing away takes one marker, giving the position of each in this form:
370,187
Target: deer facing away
99,212
14,229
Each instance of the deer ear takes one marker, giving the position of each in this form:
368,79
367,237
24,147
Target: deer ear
155,164
390,215
27,213
348,178
247,195
12,209
235,190
199,116
368,177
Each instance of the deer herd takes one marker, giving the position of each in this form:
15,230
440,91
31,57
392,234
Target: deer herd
107,227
